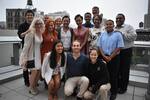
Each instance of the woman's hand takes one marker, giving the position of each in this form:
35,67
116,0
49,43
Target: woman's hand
23,65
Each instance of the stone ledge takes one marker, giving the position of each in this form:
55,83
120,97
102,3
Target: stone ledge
12,75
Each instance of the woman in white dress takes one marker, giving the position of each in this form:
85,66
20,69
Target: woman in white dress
31,52
53,69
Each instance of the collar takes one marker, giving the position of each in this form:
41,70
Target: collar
122,26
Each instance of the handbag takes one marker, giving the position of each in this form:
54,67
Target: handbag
30,64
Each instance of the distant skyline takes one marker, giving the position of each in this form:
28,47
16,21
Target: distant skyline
134,10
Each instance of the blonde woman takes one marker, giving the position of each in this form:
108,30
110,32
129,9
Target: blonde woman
31,52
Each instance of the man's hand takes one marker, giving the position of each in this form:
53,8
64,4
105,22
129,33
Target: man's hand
24,33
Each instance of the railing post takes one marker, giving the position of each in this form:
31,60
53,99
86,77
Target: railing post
16,47
147,95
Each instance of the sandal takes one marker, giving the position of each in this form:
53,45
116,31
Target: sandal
33,92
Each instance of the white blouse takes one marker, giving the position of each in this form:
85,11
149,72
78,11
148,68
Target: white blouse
66,38
47,71
37,51
94,35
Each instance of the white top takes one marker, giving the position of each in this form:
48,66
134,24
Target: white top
94,34
129,35
37,50
66,38
31,50
47,71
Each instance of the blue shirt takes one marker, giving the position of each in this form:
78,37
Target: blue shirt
108,42
89,25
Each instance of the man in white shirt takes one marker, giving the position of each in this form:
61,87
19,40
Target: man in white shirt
129,36
65,33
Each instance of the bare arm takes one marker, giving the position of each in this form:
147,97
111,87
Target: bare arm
115,52
86,39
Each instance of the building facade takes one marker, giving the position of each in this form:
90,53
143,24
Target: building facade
14,17
58,14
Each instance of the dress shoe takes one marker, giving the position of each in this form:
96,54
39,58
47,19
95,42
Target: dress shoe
46,87
75,92
120,91
79,98
113,97
27,84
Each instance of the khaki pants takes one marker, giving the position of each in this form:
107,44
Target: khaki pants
103,91
73,82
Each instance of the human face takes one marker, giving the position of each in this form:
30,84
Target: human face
29,17
59,48
38,26
96,21
66,22
95,11
46,19
109,26
79,21
58,22
87,18
76,47
51,27
93,56
120,20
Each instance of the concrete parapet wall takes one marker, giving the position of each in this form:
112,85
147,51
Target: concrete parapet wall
6,52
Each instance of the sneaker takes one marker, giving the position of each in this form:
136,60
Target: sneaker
33,92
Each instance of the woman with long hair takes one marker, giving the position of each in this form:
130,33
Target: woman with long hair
31,52
49,37
53,69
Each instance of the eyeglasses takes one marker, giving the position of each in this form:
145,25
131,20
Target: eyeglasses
76,45
38,23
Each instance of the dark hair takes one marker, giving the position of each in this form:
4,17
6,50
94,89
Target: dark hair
93,48
87,13
95,7
53,62
99,16
29,11
66,16
110,20
121,15
78,15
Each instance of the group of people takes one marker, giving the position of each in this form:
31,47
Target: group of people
90,59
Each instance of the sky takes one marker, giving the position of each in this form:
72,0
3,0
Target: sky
134,10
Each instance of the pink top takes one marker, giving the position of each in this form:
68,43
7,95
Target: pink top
80,34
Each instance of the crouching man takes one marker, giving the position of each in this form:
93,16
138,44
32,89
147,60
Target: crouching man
75,72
